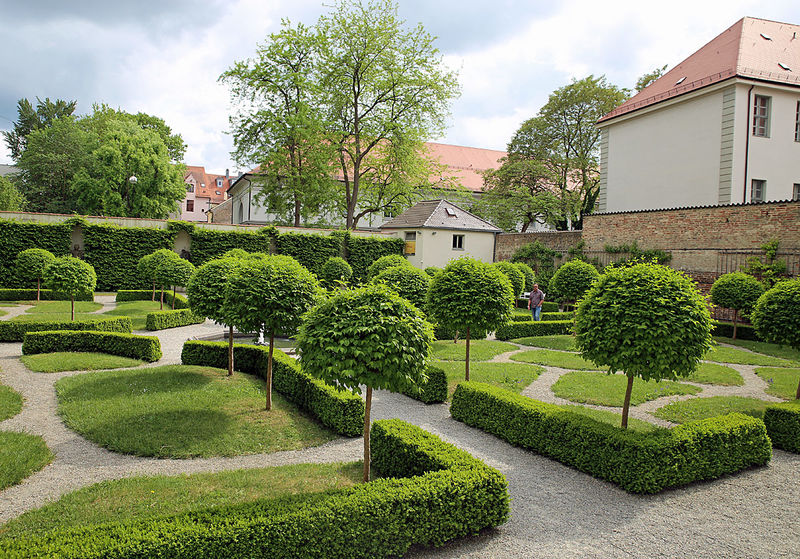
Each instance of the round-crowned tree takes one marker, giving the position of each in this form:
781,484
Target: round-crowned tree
469,294
270,294
369,336
572,280
646,320
171,269
335,271
514,274
237,253
530,275
206,294
146,270
386,262
407,281
70,275
737,291
30,265
777,316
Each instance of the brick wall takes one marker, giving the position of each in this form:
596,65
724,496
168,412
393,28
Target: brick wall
509,243
222,212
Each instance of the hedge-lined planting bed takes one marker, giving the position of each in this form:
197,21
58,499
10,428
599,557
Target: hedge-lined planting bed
161,320
13,331
437,492
147,295
432,392
725,330
146,348
546,317
637,462
45,295
529,328
783,425
339,410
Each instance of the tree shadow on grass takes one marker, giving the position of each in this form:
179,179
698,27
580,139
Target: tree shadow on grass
107,385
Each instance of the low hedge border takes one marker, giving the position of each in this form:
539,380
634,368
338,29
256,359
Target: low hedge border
743,331
147,295
546,317
146,348
528,328
432,392
339,410
637,462
161,320
45,295
547,306
783,425
13,331
444,493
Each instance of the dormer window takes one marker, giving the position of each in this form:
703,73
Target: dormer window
219,184
450,212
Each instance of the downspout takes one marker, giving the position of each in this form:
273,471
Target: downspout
747,145
249,198
494,249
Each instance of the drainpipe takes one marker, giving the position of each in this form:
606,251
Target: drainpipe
747,145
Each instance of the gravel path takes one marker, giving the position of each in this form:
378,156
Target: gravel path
556,511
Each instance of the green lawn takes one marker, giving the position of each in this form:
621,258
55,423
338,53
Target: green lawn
511,376
713,373
702,408
136,310
21,455
3,313
564,342
76,361
55,317
479,350
742,357
775,350
143,498
615,419
554,359
782,382
10,402
182,412
61,307
589,387
9,303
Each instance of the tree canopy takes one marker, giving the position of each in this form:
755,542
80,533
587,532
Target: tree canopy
407,281
572,280
11,199
776,316
70,275
30,119
648,78
30,265
737,291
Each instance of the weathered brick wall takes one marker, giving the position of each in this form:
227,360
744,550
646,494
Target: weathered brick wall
509,243
222,212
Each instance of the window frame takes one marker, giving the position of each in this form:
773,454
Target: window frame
762,109
190,205
762,190
796,191
458,242
797,124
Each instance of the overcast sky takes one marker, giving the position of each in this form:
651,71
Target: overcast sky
163,57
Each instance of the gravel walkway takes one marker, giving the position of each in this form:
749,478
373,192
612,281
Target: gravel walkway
556,511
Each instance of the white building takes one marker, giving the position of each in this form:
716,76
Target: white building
721,127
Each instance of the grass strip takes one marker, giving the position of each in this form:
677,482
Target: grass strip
704,408
563,342
775,350
511,376
10,402
781,382
479,350
554,359
21,454
76,361
601,389
742,357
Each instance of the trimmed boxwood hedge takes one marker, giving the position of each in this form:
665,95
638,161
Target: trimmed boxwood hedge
146,348
783,425
339,410
432,392
14,331
546,317
637,462
147,294
437,493
547,306
46,295
529,328
161,320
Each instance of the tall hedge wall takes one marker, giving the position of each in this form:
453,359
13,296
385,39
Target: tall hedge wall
363,251
207,244
312,251
16,236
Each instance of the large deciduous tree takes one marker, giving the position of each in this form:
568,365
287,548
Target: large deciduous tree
11,199
30,119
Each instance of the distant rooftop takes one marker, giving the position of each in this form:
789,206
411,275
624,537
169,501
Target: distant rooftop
439,214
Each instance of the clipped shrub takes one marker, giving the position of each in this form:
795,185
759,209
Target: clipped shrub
30,265
783,425
432,270
311,251
547,316
336,270
777,316
529,328
72,276
339,410
514,275
387,261
737,291
637,462
433,390
433,492
46,295
179,301
528,273
161,320
572,280
14,331
363,251
146,348
407,281
547,306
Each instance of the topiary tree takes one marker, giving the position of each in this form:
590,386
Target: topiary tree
386,262
270,294
369,336
646,320
70,275
171,269
146,269
530,275
335,271
776,316
514,275
572,280
237,253
407,281
469,294
737,291
206,294
30,265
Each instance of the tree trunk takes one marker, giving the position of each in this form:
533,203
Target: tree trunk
735,316
367,407
38,288
72,301
230,351
162,298
154,292
296,210
797,396
627,404
269,369
467,356
174,288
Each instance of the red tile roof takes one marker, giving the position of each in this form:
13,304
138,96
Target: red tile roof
206,184
751,48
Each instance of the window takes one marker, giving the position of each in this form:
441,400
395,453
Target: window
189,205
761,106
190,187
796,191
219,183
797,124
411,243
758,190
458,242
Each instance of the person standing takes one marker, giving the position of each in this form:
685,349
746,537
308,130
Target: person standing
535,301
